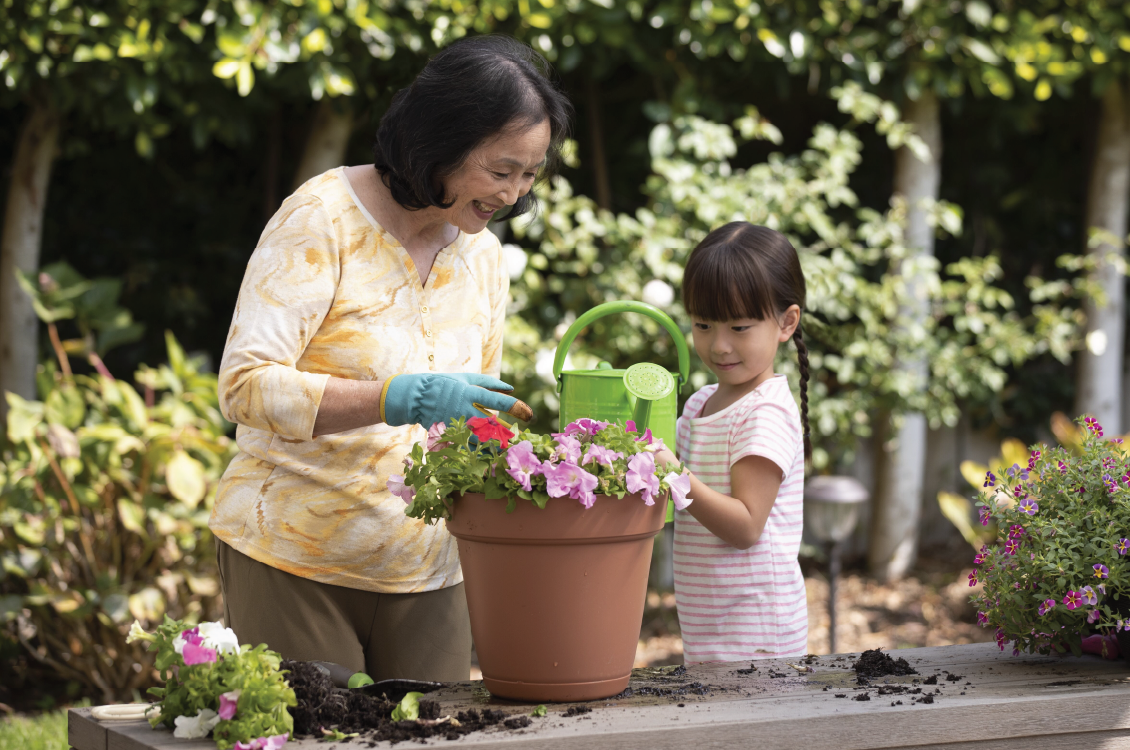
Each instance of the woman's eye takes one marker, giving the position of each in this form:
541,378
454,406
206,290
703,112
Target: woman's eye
501,175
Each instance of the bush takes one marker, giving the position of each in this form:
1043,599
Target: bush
103,515
1060,569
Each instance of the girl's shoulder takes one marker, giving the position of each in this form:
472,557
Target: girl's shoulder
693,407
773,400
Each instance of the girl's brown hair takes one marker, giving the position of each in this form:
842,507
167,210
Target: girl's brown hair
741,270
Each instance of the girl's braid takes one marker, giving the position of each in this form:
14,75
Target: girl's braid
802,352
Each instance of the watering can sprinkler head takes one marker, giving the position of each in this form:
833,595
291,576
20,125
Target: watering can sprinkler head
646,383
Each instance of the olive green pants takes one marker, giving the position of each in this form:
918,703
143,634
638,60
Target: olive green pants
425,636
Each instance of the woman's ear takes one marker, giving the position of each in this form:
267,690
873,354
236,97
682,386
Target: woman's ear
788,321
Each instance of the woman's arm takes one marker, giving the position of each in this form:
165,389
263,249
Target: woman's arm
347,405
737,520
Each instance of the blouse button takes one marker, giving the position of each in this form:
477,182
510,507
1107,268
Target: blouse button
428,333
431,358
424,308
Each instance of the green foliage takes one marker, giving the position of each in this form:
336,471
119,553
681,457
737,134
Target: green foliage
104,511
1060,568
408,709
539,711
862,278
47,731
263,694
456,463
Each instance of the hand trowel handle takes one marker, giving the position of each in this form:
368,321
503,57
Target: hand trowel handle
612,308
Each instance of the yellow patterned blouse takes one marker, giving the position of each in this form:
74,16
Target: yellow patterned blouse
327,293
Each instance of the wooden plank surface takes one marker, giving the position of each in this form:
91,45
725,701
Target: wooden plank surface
1000,701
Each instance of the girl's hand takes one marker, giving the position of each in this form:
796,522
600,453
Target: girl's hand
664,458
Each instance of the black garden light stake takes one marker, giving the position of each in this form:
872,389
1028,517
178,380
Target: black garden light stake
831,510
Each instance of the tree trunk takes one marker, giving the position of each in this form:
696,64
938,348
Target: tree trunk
19,248
1098,383
329,137
901,455
596,136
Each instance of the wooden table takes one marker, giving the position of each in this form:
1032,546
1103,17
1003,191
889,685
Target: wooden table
1000,701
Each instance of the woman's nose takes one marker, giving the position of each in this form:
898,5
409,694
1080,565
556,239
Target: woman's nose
510,193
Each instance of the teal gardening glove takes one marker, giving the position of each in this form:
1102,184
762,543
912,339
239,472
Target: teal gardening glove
430,397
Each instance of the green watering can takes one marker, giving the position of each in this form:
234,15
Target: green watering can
645,392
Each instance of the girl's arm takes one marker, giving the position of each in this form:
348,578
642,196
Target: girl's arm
737,520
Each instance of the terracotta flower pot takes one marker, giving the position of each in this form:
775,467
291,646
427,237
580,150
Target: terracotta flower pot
556,596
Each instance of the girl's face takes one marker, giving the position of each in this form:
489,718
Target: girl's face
741,352
495,175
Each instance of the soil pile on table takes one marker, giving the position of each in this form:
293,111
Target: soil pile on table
320,706
874,664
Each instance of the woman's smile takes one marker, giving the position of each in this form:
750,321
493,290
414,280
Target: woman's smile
484,210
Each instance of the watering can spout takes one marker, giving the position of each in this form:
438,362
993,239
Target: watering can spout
645,384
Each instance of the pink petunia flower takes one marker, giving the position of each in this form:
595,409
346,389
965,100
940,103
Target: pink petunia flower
1011,546
568,450
229,702
1093,616
641,477
1046,606
523,464
197,654
583,426
982,619
973,578
986,515
263,743
566,479
1073,599
601,455
397,487
435,432
680,485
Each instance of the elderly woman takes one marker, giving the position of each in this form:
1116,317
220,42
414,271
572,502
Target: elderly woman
372,308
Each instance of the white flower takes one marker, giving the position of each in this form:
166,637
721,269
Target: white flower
196,727
515,259
137,633
216,636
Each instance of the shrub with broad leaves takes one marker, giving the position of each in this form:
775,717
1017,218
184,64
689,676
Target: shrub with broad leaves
105,493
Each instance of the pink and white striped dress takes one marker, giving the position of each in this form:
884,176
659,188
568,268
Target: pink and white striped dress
742,604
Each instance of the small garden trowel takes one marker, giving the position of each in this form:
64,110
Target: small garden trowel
394,690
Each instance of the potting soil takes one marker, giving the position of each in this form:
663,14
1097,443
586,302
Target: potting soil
320,706
875,663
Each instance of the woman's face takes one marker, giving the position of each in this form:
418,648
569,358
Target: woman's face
496,174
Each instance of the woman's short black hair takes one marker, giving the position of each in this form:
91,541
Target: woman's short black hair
472,90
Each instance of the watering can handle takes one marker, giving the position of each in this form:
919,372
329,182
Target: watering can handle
611,308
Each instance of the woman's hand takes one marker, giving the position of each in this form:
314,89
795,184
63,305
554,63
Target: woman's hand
427,398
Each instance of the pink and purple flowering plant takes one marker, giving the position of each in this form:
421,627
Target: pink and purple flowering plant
588,461
238,694
1062,523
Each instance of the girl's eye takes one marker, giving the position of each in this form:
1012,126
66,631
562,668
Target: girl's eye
740,329
702,326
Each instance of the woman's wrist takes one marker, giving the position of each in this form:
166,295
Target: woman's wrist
349,404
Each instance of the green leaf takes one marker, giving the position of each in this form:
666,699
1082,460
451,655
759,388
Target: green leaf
408,709
539,711
147,604
185,477
133,517
23,417
65,406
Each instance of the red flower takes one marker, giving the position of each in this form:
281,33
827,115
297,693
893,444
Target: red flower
489,428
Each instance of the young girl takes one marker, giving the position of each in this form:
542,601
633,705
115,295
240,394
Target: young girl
738,585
